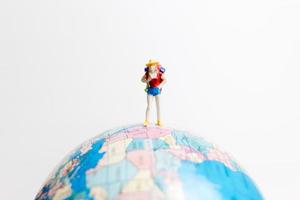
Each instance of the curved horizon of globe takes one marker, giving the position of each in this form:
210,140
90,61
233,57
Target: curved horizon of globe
137,162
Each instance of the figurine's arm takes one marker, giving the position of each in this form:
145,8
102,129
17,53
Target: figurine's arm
164,80
144,79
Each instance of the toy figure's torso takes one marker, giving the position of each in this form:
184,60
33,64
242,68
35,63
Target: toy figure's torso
155,79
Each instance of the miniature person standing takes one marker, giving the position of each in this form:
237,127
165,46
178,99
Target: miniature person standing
154,78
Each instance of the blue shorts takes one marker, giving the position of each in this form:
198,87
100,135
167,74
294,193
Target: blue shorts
153,91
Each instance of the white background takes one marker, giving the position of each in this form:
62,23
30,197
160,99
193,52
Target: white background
71,69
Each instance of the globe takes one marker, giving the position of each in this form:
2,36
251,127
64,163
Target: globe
146,163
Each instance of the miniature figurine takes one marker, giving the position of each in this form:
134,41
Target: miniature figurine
154,78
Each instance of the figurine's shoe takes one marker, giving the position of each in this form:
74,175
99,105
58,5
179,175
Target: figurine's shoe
159,123
146,123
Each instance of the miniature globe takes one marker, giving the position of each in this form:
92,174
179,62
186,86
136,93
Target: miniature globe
145,163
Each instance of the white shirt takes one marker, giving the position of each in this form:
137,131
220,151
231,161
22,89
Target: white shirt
153,75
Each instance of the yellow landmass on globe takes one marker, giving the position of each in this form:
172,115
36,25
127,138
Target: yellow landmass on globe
114,152
62,193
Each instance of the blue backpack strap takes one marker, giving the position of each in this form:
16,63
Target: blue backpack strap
162,69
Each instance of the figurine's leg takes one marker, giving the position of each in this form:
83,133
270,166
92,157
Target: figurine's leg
157,100
149,103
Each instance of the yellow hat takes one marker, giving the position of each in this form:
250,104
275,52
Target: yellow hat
152,62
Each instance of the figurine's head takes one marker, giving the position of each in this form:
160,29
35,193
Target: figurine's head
152,65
